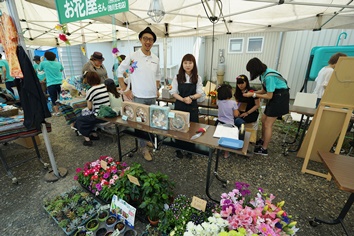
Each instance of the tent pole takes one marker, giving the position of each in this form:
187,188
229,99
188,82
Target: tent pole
11,6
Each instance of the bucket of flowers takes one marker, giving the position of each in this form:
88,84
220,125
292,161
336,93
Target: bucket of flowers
255,215
99,176
213,95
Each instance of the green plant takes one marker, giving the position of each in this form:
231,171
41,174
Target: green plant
157,191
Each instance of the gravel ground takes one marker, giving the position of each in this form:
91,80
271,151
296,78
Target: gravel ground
306,195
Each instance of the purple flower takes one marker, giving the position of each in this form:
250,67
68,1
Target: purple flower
106,175
99,187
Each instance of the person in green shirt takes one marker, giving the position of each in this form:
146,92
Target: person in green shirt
40,74
9,80
54,77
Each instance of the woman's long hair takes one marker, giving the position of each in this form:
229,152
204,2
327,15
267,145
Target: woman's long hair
255,67
111,87
181,77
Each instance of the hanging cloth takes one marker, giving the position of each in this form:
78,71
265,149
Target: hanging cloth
32,97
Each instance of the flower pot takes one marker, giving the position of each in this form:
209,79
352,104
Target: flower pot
153,223
110,221
213,100
103,215
101,232
92,225
81,232
120,226
130,232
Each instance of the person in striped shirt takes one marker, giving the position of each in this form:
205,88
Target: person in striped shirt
96,96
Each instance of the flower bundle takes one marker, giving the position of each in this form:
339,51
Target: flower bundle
100,176
255,216
180,212
132,66
213,93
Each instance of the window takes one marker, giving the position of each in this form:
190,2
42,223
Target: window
236,45
255,44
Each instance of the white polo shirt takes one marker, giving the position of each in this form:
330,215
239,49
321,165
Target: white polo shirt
144,77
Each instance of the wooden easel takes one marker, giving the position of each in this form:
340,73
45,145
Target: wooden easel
332,116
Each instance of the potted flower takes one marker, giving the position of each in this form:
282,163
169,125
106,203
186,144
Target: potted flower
157,191
100,180
213,95
92,225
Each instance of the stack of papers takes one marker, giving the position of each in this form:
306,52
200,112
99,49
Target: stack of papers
227,131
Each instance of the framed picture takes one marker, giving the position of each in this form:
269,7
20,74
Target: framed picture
255,44
154,50
235,45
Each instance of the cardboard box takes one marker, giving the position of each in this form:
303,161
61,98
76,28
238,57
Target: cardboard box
180,121
166,93
27,142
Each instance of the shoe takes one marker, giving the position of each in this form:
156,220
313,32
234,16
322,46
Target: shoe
261,151
94,137
88,143
179,154
189,155
150,144
226,154
146,154
259,142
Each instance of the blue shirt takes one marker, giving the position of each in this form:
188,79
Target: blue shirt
53,71
273,81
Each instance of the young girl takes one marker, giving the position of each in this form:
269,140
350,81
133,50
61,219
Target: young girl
248,106
114,97
187,87
96,96
227,108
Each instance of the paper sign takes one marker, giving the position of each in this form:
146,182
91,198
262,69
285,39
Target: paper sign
133,180
171,115
103,165
124,117
105,207
123,211
138,119
198,203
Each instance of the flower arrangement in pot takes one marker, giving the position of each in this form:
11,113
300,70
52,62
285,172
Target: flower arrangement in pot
157,191
100,176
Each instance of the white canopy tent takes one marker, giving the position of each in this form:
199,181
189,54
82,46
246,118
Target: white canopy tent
186,18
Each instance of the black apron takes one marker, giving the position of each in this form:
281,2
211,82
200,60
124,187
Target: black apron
185,90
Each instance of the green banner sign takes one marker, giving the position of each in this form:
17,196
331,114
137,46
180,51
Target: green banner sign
75,10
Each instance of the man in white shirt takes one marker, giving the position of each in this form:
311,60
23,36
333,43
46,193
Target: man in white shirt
145,76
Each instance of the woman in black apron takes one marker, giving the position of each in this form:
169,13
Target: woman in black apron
187,87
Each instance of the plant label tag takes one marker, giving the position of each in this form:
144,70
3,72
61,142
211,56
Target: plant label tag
89,233
138,119
171,115
198,203
79,228
124,117
103,165
105,207
116,232
133,180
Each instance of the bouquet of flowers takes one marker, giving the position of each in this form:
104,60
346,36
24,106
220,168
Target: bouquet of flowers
213,93
100,176
255,216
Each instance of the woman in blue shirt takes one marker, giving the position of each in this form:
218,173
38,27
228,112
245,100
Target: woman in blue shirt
54,77
275,89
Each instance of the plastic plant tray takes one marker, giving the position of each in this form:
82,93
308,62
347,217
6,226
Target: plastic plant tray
230,143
